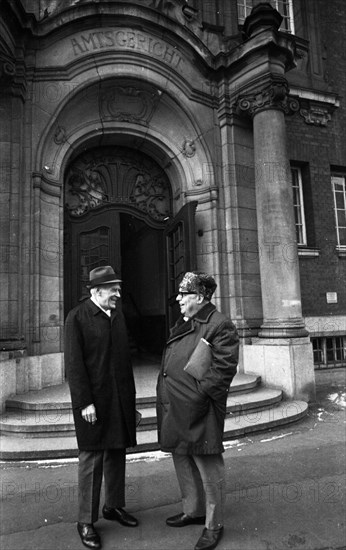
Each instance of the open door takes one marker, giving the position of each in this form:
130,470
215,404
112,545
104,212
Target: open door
93,241
180,237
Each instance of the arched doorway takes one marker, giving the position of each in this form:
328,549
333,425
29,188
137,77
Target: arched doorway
118,211
116,204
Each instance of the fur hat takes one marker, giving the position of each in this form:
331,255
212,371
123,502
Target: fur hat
198,282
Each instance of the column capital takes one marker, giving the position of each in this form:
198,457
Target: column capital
272,95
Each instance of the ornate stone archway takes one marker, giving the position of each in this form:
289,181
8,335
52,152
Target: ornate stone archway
116,201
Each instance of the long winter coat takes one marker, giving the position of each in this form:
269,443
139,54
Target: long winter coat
99,371
191,414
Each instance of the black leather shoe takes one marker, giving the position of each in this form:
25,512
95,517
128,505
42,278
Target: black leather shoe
182,519
120,515
209,539
88,535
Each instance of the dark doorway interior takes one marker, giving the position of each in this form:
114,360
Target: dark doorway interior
109,236
144,289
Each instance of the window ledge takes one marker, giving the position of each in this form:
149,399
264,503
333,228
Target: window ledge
341,251
309,252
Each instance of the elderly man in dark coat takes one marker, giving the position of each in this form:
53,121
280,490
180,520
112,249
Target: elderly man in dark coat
100,376
191,409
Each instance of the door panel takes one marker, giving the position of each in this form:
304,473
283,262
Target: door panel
93,243
180,254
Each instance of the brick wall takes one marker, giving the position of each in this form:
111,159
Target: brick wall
323,149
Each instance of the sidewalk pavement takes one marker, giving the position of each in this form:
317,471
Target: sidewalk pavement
286,490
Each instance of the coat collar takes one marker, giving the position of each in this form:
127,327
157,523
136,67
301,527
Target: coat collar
97,310
184,327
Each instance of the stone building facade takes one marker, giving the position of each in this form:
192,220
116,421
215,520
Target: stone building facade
160,136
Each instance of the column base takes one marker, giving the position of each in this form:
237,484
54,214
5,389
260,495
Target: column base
294,328
285,363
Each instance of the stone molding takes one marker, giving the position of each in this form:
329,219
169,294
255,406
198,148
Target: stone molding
318,116
12,75
129,104
273,96
7,68
203,194
49,187
316,108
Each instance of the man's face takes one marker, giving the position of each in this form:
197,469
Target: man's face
108,295
189,303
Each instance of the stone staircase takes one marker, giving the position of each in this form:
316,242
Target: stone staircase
39,424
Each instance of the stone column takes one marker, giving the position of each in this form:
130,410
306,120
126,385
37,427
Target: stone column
282,354
12,89
278,254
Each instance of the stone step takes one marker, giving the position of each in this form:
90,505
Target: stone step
259,399
58,397
40,448
58,422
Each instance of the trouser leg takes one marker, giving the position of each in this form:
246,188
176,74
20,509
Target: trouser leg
191,486
114,473
90,469
212,471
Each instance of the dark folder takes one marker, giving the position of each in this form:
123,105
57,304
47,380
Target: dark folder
200,360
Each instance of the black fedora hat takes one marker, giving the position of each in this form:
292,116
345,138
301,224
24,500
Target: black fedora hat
103,275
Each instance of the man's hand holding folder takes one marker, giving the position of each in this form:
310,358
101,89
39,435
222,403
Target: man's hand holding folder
200,360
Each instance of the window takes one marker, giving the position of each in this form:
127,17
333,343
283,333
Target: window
329,351
284,7
298,203
244,9
339,194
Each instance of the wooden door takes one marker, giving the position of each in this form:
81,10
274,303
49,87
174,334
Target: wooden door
94,241
180,254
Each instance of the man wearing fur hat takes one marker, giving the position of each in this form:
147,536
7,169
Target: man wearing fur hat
101,381
191,409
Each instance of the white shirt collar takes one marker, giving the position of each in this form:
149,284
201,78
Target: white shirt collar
106,311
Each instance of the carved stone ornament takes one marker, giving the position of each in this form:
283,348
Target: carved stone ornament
60,135
129,104
117,175
274,96
171,8
316,115
188,148
7,67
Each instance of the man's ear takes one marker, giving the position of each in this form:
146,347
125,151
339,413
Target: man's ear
200,298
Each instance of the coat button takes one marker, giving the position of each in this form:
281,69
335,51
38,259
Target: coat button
165,374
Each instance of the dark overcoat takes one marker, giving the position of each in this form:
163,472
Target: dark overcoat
99,371
191,413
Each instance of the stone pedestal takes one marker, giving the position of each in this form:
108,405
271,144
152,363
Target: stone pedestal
284,363
21,373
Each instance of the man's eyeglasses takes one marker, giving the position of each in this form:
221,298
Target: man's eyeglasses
185,293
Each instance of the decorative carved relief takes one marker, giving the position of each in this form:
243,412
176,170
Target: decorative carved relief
60,135
274,96
150,195
128,104
7,67
117,175
84,190
316,115
189,148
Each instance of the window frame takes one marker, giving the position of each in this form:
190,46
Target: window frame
321,351
340,245
299,208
